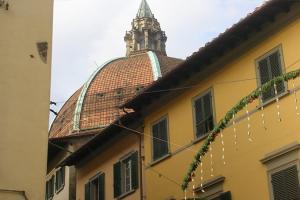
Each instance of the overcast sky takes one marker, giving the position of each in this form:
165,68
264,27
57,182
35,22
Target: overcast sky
86,32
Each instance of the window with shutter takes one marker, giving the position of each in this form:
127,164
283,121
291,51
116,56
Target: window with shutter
59,179
87,191
135,170
50,188
203,111
117,179
285,184
95,188
101,187
126,175
270,66
46,194
225,196
160,139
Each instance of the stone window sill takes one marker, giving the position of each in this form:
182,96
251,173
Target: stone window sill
122,196
273,100
201,138
160,159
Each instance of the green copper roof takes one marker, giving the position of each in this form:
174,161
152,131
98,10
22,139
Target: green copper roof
144,10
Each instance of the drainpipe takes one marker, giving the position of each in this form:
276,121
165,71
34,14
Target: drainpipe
141,167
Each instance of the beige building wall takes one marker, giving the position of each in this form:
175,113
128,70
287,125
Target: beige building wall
103,163
24,102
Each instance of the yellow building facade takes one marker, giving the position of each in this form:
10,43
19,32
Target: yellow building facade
253,157
104,163
25,67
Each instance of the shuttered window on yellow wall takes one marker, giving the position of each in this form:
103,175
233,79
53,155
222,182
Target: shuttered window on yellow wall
285,184
203,114
160,139
270,67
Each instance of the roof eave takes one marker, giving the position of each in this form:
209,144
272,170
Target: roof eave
109,132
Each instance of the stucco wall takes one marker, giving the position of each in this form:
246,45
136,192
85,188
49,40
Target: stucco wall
64,194
103,163
24,102
245,175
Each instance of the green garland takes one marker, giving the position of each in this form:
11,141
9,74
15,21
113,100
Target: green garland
229,115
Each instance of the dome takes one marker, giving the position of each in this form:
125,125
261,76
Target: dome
96,104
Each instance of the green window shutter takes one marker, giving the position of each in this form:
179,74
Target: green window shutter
163,130
156,146
199,114
87,191
52,186
101,187
208,112
117,179
160,139
134,171
203,114
225,196
47,190
265,76
198,110
207,105
56,181
276,70
63,175
285,184
269,68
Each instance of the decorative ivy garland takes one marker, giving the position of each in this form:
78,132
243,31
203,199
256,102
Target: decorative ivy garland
229,115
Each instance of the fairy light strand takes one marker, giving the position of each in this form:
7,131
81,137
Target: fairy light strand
223,147
262,113
234,131
248,124
296,98
277,103
211,161
193,181
201,175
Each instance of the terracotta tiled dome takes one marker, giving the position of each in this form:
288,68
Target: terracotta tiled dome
95,104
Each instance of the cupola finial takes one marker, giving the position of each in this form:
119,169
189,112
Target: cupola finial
144,10
146,34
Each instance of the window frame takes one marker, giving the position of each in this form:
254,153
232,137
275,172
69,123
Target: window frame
154,161
283,70
122,161
194,99
95,177
50,196
213,188
280,159
57,190
123,176
278,169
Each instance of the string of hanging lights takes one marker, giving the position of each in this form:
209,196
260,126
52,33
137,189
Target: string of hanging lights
230,115
277,103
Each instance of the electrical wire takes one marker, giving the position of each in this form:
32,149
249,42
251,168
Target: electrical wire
141,133
161,175
113,115
185,147
152,137
187,87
